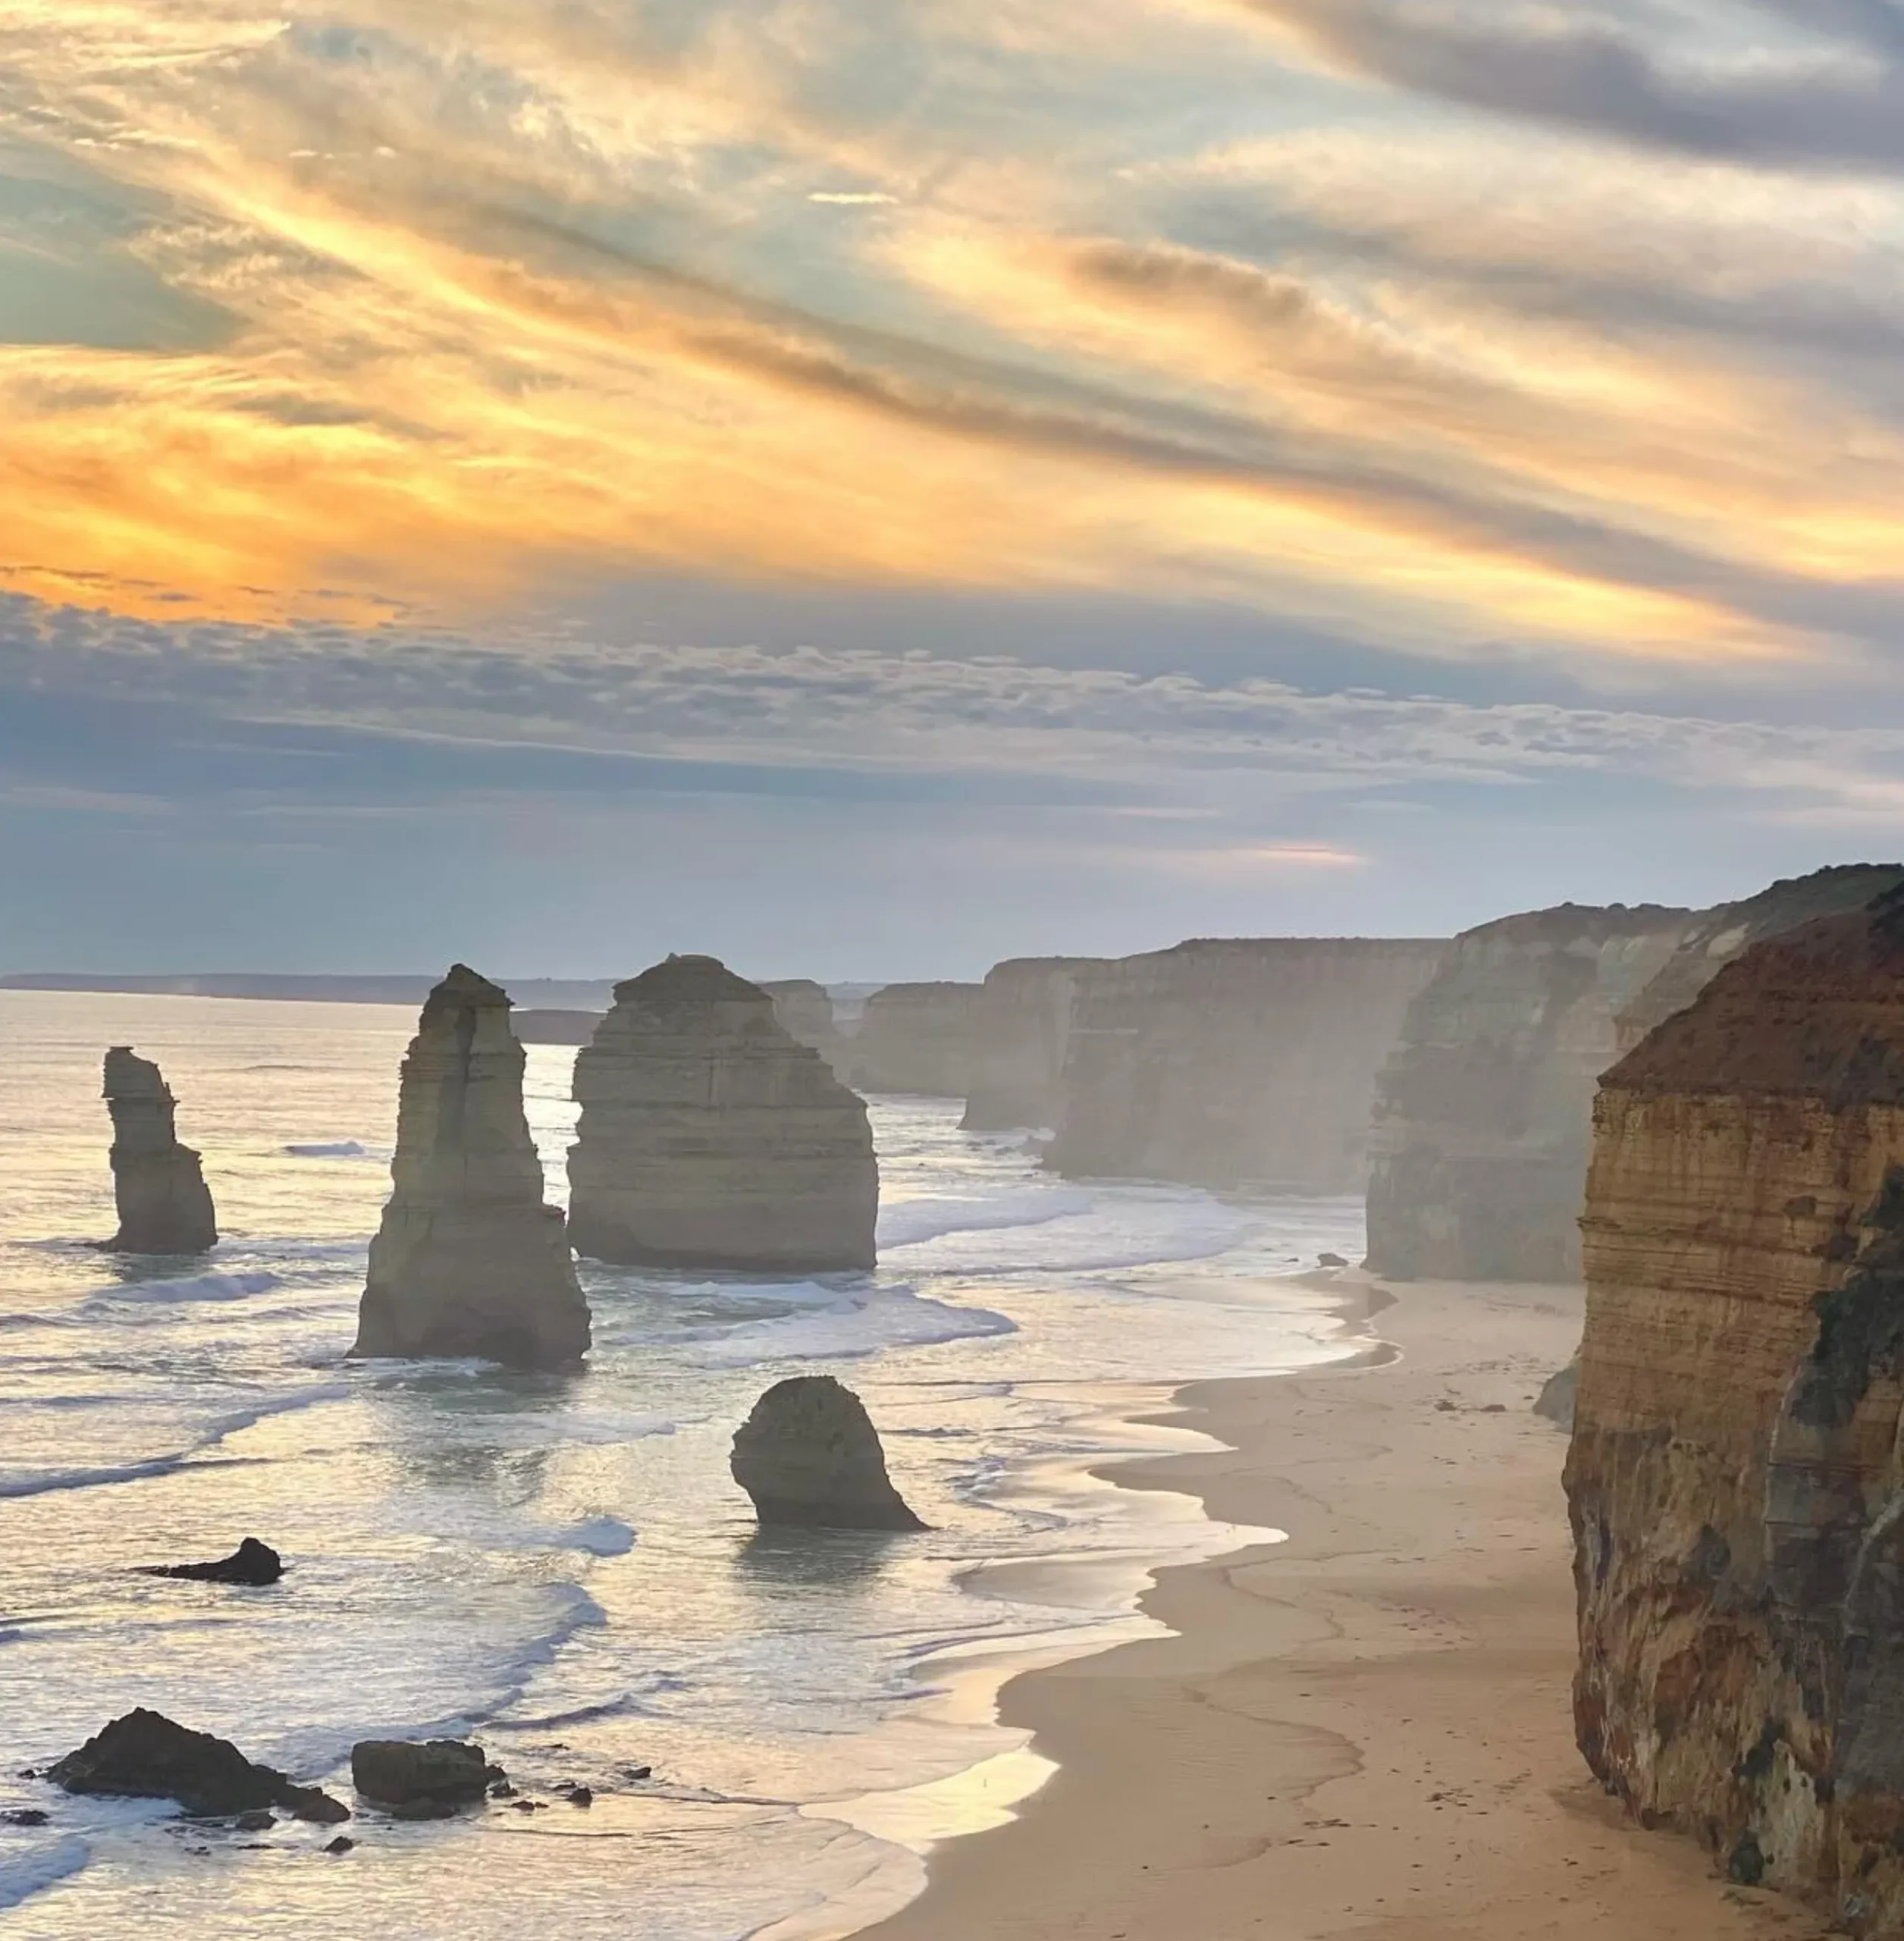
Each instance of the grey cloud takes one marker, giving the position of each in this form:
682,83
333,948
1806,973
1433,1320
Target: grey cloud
1595,79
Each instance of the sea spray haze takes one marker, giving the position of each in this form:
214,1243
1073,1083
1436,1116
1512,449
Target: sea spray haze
561,1565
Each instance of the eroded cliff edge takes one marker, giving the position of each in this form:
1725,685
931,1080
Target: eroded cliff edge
1234,1063
1021,1035
916,1039
1735,1481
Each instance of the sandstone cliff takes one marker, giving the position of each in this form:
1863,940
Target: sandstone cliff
914,1038
1736,1479
1712,943
468,1260
164,1206
1483,1113
1233,1063
710,1137
1021,1033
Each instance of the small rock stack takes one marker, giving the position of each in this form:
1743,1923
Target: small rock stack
811,1459
711,1138
468,1260
164,1206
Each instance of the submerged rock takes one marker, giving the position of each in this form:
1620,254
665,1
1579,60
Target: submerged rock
468,1260
145,1755
251,1562
710,1137
409,1773
165,1205
811,1459
1734,1482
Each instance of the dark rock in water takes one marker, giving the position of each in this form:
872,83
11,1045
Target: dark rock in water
25,1816
810,1457
251,1562
164,1206
1555,1401
342,1844
468,1260
409,1773
1330,1260
260,1819
145,1755
582,1796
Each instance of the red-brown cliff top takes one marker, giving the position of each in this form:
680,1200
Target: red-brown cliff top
1817,1012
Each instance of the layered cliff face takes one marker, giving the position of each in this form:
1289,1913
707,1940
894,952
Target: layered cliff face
164,1206
1736,1479
710,1137
1712,941
1021,1033
915,1038
1233,1063
805,1007
1483,1114
468,1260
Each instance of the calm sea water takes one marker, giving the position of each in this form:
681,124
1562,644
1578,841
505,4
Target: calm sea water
563,1567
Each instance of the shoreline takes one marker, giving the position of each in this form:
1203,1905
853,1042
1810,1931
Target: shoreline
1363,1728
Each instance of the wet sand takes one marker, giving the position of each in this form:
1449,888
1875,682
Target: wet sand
1364,1730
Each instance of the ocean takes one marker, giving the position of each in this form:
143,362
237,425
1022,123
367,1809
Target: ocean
775,1730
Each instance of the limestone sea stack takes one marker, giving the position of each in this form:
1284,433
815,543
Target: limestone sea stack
468,1260
710,1137
811,1459
1021,1033
1736,1477
915,1038
1237,1063
165,1205
805,1007
1484,1111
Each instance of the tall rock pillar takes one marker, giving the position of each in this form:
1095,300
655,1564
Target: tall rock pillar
164,1206
468,1260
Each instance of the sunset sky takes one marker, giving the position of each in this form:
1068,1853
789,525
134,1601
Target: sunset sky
868,489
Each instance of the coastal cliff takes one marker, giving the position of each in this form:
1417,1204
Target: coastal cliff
1735,1481
1716,938
1234,1063
915,1038
468,1260
1021,1032
1483,1113
164,1206
711,1138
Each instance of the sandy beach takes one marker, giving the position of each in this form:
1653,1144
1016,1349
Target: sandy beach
1365,1729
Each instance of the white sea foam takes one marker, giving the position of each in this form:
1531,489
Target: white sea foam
23,1875
848,1329
216,1286
910,1222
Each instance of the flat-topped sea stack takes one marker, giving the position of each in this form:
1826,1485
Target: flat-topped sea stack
806,1011
1021,1032
1235,1063
1736,1478
711,1138
1484,1112
164,1206
811,1459
915,1038
469,1261
1719,936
